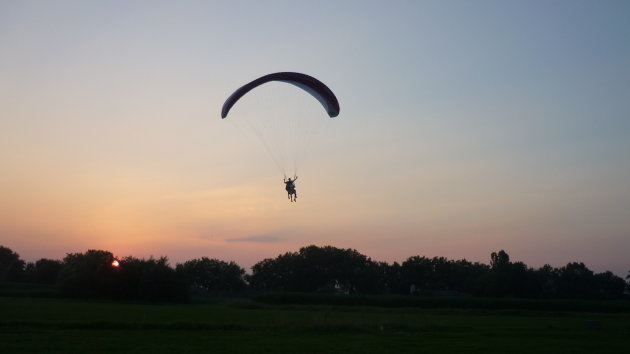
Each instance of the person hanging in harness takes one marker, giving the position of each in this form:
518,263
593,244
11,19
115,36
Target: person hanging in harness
290,187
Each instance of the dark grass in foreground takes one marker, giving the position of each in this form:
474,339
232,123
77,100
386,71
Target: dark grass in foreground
244,326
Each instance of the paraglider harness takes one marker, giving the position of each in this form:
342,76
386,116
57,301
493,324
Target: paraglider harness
290,187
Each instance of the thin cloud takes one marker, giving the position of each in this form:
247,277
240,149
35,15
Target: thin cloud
255,239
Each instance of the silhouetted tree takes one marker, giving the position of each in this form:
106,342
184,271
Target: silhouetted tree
44,271
153,280
280,273
213,275
88,274
394,278
416,274
311,269
427,276
547,278
465,276
129,276
335,269
326,269
575,280
30,273
507,279
11,266
382,277
499,260
609,286
524,281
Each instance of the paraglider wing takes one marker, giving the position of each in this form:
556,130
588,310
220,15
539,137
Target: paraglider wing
309,84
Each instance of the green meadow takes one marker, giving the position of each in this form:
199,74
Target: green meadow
53,325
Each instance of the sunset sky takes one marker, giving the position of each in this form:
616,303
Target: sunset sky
466,127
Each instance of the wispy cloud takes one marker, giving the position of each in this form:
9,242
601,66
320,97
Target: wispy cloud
255,239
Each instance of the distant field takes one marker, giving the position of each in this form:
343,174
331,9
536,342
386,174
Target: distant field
49,325
27,289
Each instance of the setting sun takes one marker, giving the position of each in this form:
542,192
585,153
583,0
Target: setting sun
115,264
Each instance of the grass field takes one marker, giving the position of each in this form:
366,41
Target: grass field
51,325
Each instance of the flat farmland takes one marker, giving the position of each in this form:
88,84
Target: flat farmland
45,325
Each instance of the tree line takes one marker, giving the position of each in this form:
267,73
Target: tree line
98,274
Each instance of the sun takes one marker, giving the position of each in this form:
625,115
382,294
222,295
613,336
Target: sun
115,264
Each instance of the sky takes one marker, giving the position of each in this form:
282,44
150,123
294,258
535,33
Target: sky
466,127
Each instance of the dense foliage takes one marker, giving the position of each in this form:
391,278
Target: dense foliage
312,269
212,276
11,266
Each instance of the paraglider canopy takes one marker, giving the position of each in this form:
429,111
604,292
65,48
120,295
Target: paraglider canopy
308,83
